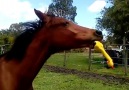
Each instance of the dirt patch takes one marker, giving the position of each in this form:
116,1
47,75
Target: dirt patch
108,79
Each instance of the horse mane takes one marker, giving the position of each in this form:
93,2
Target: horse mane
22,42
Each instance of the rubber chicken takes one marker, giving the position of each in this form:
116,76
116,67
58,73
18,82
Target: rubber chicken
99,46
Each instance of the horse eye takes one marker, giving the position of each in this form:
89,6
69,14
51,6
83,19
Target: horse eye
66,23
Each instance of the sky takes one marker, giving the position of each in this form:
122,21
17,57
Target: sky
15,11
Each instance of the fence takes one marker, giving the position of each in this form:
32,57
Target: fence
119,55
118,52
4,48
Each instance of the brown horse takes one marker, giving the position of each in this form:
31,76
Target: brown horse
20,65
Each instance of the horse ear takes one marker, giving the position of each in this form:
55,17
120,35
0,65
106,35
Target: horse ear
41,15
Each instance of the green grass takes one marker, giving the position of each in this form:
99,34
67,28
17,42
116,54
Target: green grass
56,81
74,60
47,80
80,61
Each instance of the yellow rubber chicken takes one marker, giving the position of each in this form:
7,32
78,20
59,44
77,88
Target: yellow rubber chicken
99,46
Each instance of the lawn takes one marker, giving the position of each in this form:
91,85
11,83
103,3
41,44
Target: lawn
80,61
47,80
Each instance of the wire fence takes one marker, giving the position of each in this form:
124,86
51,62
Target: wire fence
4,48
118,52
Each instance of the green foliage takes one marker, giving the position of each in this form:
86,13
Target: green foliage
7,36
115,19
63,8
15,29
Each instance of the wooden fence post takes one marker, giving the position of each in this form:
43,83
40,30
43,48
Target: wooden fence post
89,68
64,64
125,55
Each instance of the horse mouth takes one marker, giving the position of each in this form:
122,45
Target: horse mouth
92,44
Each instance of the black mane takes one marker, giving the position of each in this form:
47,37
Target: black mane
24,39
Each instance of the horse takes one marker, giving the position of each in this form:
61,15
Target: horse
40,39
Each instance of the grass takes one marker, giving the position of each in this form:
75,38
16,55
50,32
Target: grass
80,61
74,60
56,81
47,80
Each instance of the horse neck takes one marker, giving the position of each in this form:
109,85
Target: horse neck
36,55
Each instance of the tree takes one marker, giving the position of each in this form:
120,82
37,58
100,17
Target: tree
63,8
115,19
7,35
16,28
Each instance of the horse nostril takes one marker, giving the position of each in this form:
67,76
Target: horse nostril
98,33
